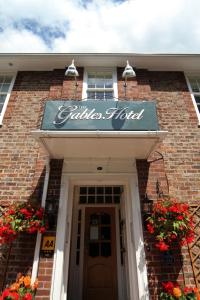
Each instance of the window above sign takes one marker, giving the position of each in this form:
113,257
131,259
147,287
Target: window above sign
100,84
194,87
6,85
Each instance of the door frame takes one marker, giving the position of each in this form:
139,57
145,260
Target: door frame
78,271
137,271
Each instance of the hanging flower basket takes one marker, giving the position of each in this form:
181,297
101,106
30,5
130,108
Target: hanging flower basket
170,223
22,289
18,218
172,291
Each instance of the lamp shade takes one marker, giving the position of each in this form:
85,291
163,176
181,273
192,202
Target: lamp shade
71,70
128,71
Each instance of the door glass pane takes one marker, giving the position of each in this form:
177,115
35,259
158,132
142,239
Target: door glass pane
94,249
105,233
105,219
106,249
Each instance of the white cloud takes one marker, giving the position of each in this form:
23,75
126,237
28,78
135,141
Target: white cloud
100,26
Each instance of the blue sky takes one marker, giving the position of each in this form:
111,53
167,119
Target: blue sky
141,26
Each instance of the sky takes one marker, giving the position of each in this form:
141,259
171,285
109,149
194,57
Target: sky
99,26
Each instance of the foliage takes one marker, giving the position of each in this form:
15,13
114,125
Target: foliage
21,217
22,289
170,222
172,291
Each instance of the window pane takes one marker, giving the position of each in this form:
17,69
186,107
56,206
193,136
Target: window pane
109,95
5,88
100,95
91,95
8,79
91,75
1,79
195,84
1,107
2,98
100,83
91,82
108,84
108,75
197,98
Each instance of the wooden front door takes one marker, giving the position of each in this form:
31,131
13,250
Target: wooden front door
100,261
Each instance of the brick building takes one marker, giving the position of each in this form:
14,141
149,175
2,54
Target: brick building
94,164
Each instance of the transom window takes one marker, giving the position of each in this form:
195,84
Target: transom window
100,85
6,83
100,194
194,86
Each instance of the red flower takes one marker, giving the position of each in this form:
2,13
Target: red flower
9,295
39,213
14,295
5,293
162,246
26,213
42,229
174,209
11,211
32,229
150,228
168,287
173,236
180,218
190,238
187,290
28,296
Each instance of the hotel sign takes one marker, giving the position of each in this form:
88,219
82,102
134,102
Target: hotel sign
100,115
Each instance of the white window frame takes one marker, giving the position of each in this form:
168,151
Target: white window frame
193,94
2,113
100,69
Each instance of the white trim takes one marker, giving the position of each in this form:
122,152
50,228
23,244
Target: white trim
84,88
8,95
53,134
39,235
57,276
192,94
138,240
137,274
115,84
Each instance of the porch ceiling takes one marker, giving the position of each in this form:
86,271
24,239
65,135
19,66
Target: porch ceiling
99,144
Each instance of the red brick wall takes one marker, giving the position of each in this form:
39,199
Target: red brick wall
22,162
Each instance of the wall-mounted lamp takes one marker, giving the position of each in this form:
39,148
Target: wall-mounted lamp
51,214
128,73
147,206
72,72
